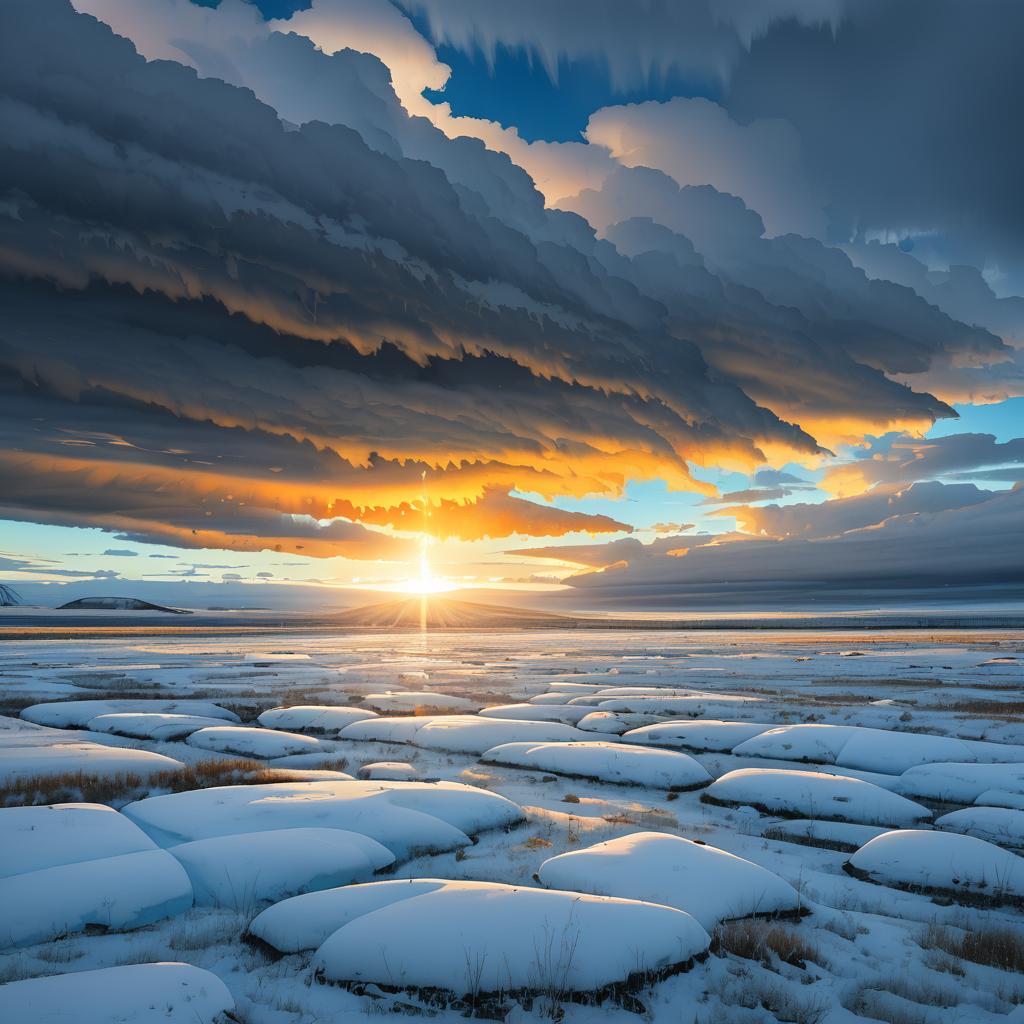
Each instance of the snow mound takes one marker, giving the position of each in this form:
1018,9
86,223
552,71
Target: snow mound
469,938
313,718
613,723
386,730
145,725
537,712
68,714
705,734
406,817
874,750
1001,825
28,750
467,734
117,893
241,870
696,706
709,884
1000,798
165,993
410,700
961,783
943,861
246,741
814,795
608,762
395,771
831,834
34,838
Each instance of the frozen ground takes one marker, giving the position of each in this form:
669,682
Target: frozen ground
878,812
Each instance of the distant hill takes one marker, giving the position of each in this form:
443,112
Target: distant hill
438,612
118,604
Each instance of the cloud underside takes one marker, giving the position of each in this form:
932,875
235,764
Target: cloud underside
223,331
951,543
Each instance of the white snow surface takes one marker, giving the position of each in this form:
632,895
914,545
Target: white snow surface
467,734
829,831
151,726
251,742
961,783
613,723
161,993
1001,825
396,771
569,713
28,750
609,762
118,893
313,718
403,816
874,750
697,706
69,714
703,734
709,884
816,795
34,838
514,938
241,870
401,729
942,860
409,700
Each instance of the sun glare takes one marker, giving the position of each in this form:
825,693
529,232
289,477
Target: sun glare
426,582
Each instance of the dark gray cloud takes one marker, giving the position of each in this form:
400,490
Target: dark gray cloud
902,460
954,554
833,518
239,299
907,115
225,331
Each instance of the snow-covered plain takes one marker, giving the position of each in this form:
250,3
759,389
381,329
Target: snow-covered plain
881,796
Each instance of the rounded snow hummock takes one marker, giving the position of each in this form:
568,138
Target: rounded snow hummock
785,791
473,939
606,762
165,993
709,884
942,862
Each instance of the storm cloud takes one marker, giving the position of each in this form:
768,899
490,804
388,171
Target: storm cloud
252,303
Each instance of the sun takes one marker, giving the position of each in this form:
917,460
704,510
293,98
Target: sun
426,582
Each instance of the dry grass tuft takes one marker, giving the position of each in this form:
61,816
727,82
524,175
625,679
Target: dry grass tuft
763,940
994,947
125,786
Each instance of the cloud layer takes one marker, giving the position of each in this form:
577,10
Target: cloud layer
252,300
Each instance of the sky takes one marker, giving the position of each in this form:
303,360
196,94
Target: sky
670,305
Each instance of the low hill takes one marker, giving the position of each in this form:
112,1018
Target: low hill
439,612
118,604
